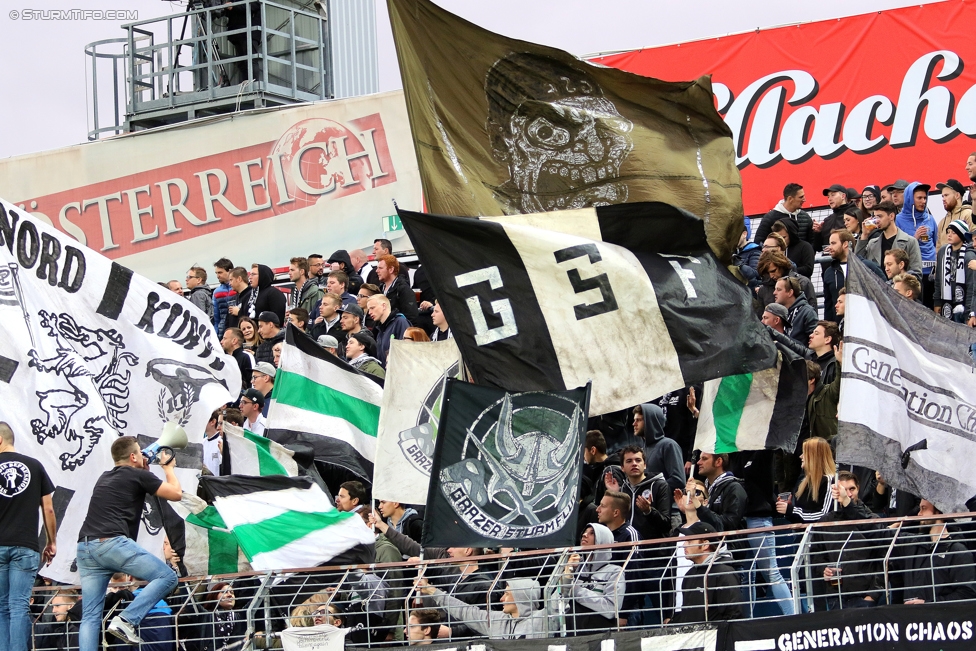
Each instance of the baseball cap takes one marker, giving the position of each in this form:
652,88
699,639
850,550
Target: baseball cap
254,396
266,368
900,184
952,183
352,308
269,317
697,529
778,310
923,186
328,341
836,187
852,194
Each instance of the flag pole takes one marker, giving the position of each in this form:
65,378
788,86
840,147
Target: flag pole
20,300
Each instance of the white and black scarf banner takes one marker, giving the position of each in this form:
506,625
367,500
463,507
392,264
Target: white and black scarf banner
908,393
628,296
91,351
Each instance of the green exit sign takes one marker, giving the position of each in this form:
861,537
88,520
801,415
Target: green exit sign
392,223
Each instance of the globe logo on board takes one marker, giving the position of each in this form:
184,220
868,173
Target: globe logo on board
320,159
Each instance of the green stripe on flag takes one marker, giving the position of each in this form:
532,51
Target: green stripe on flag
267,464
274,533
730,400
222,552
300,392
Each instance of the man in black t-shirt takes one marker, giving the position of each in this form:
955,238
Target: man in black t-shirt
106,542
24,488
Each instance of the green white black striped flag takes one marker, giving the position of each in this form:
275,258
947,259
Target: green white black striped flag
754,411
323,402
252,454
210,547
284,522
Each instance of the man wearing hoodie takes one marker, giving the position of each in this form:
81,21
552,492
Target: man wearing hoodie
917,221
264,297
596,585
746,257
802,318
789,208
522,615
661,454
840,205
341,261
199,294
650,497
799,252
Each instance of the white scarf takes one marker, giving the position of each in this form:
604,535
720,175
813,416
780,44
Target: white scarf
953,291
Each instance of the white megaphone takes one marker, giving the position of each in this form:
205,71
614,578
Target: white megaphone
173,436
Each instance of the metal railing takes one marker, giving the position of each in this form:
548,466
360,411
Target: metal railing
579,590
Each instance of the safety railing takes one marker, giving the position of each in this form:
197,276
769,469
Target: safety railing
754,573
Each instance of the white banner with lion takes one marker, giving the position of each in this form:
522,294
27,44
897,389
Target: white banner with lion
89,352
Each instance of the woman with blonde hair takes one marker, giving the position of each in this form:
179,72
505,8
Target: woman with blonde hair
811,500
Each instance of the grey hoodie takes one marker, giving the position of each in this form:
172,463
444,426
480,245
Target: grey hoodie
598,587
530,624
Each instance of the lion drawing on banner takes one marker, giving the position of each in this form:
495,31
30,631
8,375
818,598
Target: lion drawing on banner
89,361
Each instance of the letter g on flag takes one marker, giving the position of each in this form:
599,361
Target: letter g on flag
503,307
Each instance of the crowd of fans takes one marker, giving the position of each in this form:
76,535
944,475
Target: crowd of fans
642,479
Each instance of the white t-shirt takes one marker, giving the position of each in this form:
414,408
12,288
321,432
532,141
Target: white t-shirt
314,638
257,427
211,454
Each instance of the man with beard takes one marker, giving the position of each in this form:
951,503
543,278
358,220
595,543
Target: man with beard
396,289
307,293
952,191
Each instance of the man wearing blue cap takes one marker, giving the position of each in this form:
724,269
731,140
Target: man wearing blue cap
955,282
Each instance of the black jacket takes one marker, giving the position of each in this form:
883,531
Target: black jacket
268,299
833,222
833,281
656,523
403,300
723,594
244,363
803,221
265,352
856,548
727,503
355,280
828,367
801,253
753,467
949,563
802,320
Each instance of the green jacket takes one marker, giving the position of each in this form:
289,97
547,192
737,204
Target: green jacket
822,409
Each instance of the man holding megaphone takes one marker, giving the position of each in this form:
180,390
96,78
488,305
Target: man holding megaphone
106,542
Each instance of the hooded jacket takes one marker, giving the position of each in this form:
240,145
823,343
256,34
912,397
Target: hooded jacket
799,252
598,587
402,299
309,296
657,523
803,221
965,213
264,297
802,320
834,221
910,219
947,565
202,297
870,249
355,280
727,503
662,454
531,622
393,328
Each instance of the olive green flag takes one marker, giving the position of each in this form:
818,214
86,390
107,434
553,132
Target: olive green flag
502,126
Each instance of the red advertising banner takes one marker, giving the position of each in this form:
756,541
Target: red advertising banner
860,100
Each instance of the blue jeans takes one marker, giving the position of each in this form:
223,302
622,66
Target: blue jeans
97,562
18,566
765,547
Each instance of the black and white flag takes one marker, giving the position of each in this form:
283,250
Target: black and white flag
908,393
89,352
506,468
628,296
